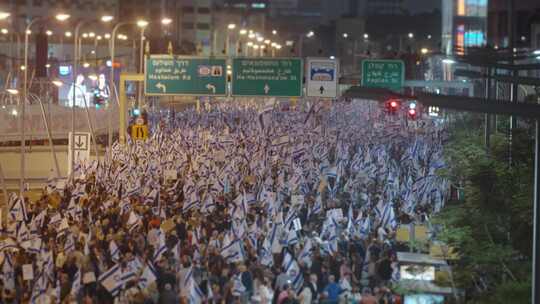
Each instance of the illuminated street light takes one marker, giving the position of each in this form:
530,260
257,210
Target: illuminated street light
332,57
366,36
142,23
274,32
166,21
424,51
267,41
448,61
48,33
99,37
107,18
260,39
107,36
250,43
23,68
428,36
91,34
256,46
310,34
251,36
62,17
68,34
411,35
85,35
4,15
345,35
231,26
278,46
28,32
243,32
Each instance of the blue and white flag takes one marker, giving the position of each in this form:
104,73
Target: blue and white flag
161,247
114,251
232,250
76,285
112,280
293,271
148,277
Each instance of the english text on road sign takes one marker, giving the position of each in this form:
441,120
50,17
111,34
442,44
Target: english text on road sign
177,75
381,73
139,132
322,77
278,77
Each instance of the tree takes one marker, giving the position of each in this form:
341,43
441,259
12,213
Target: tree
492,227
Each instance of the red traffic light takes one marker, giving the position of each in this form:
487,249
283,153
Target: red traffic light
393,104
412,112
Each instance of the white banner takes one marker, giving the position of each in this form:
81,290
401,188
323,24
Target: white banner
59,121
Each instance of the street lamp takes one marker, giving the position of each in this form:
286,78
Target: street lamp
366,36
243,32
107,18
4,15
61,18
230,27
411,35
424,51
310,34
274,32
48,33
142,24
448,61
345,35
68,34
166,21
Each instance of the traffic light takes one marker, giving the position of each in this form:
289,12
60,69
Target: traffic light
412,111
392,106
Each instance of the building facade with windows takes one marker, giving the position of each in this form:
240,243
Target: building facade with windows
464,25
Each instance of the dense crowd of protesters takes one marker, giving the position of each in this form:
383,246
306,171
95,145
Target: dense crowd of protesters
239,203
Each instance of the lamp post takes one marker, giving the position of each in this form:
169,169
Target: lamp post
76,51
142,24
230,27
61,18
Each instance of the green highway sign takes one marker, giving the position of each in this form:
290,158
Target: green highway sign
178,75
278,77
380,73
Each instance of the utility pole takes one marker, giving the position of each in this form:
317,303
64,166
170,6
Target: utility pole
487,131
514,73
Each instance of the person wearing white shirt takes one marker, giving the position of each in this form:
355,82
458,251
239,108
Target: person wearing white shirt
306,296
